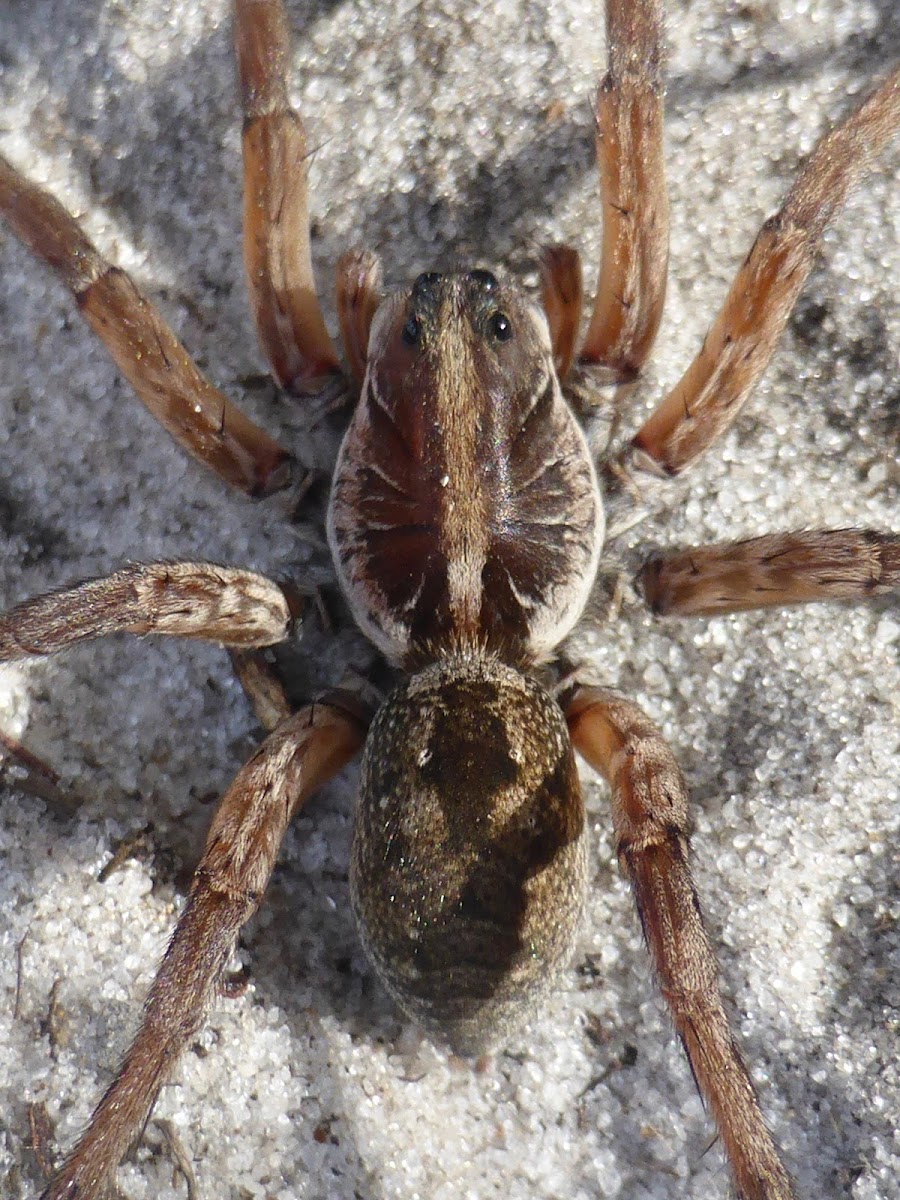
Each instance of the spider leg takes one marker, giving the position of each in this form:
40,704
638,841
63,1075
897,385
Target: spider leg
277,258
193,600
562,294
629,115
778,569
263,687
198,416
737,349
301,755
650,814
358,296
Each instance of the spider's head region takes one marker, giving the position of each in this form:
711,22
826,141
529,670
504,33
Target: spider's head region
465,510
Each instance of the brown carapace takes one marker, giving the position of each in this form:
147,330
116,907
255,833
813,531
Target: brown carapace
466,526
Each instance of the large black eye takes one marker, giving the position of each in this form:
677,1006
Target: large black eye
501,327
483,279
412,331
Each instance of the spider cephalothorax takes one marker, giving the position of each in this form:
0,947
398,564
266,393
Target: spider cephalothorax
465,509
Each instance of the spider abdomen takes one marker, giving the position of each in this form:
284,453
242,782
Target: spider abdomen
469,858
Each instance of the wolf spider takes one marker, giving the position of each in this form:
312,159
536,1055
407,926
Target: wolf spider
453,563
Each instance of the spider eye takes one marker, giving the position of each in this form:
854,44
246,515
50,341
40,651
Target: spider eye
501,327
412,331
484,280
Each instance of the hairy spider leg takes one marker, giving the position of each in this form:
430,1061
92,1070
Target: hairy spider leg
201,419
